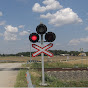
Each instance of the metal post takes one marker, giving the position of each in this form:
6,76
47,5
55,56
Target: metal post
81,50
43,77
30,52
28,77
82,57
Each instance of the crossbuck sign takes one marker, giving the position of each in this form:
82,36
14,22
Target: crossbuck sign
42,50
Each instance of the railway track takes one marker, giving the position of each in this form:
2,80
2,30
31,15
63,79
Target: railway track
11,61
62,69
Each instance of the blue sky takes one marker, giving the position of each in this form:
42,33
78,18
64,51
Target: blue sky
68,19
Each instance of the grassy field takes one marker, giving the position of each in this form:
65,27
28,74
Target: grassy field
14,58
79,61
62,59
52,81
56,61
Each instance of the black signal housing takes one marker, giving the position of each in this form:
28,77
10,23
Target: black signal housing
34,37
41,29
50,37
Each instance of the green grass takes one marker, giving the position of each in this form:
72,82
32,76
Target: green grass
54,82
21,79
35,77
54,65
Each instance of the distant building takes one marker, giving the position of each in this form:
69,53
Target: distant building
22,56
64,54
82,54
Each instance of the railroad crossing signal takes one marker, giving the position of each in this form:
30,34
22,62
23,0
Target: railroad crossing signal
49,37
42,50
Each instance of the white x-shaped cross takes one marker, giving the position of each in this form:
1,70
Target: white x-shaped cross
42,50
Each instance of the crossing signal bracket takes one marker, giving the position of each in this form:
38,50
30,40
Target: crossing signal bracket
41,29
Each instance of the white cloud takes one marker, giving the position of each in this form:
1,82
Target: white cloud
23,33
2,23
9,28
62,17
86,28
9,36
74,42
38,8
84,39
78,41
21,26
1,13
50,5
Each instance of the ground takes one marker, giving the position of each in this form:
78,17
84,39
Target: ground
65,59
7,75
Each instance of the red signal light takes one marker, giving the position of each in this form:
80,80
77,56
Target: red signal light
34,37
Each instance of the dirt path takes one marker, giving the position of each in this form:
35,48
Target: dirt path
7,75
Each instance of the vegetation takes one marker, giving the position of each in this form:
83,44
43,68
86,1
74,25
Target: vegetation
54,82
36,78
54,65
55,52
21,79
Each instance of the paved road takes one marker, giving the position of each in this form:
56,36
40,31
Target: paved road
7,75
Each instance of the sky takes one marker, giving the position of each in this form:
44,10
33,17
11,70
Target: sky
68,19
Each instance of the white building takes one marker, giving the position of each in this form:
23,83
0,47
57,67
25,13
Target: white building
64,54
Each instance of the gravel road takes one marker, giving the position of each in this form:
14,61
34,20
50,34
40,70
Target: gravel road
7,75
